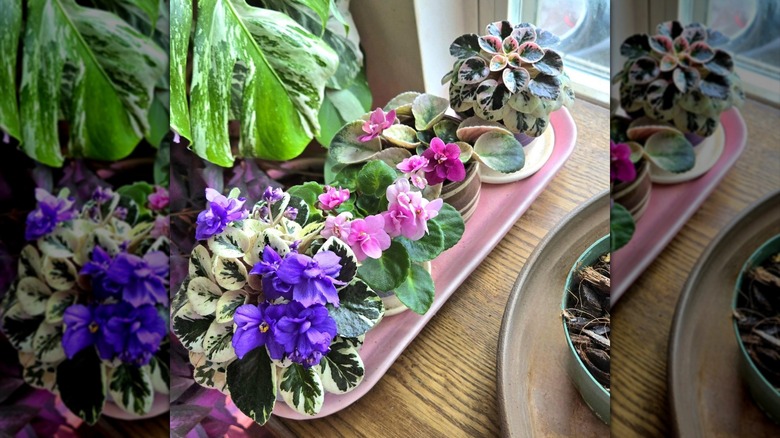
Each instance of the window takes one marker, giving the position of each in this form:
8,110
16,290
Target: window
583,26
755,39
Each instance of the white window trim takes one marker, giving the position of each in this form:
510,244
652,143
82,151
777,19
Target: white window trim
470,16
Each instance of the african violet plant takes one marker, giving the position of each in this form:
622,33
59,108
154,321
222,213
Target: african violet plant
679,76
104,81
299,57
279,297
633,142
510,75
88,311
413,129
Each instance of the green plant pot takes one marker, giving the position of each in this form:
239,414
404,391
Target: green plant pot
595,395
766,396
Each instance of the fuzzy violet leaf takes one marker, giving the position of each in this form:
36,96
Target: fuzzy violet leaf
621,227
417,291
500,151
347,148
82,385
670,151
342,369
360,308
252,384
131,388
302,389
387,272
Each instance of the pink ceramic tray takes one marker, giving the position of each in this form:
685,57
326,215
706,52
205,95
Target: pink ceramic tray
499,208
671,206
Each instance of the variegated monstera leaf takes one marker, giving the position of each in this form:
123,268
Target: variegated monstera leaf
48,283
218,283
510,75
255,65
679,76
419,118
83,65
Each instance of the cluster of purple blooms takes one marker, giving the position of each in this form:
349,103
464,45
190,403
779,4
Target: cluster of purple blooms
121,320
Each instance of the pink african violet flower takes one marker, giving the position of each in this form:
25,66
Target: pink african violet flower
620,166
161,227
337,226
408,212
443,162
367,237
159,199
376,123
333,197
414,168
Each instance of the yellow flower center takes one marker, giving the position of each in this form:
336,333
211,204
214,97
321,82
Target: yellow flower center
93,327
263,327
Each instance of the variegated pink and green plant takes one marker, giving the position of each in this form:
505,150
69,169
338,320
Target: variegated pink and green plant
415,127
510,75
679,76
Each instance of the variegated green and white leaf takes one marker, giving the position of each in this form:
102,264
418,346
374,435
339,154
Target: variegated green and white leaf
29,262
38,374
342,369
11,23
60,243
346,147
109,70
401,136
360,308
228,303
209,374
48,343
203,294
131,388
57,303
230,243
218,342
200,263
302,389
32,294
402,104
252,384
181,25
287,70
60,274
273,238
20,327
348,260
230,273
190,327
160,373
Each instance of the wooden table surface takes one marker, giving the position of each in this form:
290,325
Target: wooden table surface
642,319
444,383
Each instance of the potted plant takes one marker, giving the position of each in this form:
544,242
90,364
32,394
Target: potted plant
88,311
586,324
280,295
756,317
679,76
413,134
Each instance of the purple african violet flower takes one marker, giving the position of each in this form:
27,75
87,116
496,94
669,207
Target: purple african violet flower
97,268
220,212
620,166
408,212
254,328
161,227
273,195
273,287
368,238
333,197
120,213
291,213
102,195
313,280
143,280
134,332
414,169
159,199
51,211
85,327
443,162
337,226
376,123
305,333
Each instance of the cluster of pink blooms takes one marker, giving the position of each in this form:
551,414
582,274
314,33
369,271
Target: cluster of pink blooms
407,215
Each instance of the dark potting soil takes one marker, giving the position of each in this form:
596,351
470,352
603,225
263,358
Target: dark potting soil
587,318
758,317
